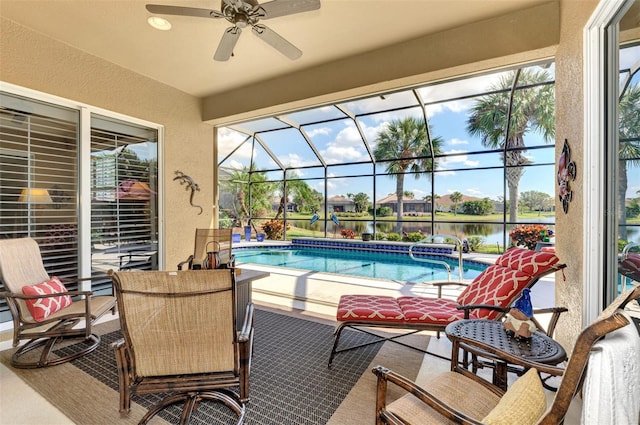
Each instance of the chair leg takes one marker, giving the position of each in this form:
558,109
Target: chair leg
45,360
191,401
336,339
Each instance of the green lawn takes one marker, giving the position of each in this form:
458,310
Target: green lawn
441,216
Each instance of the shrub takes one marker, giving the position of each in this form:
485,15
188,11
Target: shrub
347,233
384,212
381,236
621,244
393,237
274,229
413,237
528,235
475,242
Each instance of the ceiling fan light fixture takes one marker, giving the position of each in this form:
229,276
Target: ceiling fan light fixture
159,23
241,20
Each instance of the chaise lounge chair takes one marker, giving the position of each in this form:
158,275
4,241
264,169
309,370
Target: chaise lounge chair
488,296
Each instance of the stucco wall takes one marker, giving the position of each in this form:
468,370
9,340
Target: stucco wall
570,125
33,61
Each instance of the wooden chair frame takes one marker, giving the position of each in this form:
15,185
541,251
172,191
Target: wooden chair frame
572,375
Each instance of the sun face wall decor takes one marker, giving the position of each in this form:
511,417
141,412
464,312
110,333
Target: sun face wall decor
566,173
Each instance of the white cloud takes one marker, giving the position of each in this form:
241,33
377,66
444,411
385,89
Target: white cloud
446,173
294,160
235,165
418,193
348,145
458,158
456,141
319,131
474,192
228,140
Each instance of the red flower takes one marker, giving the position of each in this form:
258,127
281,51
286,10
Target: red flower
529,235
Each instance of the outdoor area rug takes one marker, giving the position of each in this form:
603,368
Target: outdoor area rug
290,381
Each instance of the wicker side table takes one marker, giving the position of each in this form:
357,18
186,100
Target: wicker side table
540,348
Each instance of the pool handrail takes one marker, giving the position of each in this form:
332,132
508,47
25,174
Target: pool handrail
431,238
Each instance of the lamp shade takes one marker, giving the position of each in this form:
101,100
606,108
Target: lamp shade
35,196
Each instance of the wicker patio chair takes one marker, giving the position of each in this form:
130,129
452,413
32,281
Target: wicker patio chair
488,296
461,397
180,338
217,243
43,311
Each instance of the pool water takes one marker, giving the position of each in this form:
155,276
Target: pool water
390,266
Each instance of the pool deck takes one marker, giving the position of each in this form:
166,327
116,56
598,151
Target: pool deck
319,292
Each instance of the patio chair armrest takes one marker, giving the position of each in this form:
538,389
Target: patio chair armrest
555,316
83,279
468,307
55,294
247,326
116,345
385,375
187,261
439,285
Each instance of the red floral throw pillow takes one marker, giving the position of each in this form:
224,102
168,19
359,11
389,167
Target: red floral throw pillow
42,308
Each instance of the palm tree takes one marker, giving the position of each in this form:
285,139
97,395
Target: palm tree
532,110
455,198
405,142
238,187
432,199
629,150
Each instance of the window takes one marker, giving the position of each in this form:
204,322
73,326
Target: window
41,150
124,201
38,180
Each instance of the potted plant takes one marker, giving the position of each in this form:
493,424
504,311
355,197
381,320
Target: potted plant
347,233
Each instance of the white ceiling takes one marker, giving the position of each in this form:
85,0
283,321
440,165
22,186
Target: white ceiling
117,31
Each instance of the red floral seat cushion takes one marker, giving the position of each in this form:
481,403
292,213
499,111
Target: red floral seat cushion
497,285
527,261
41,308
440,311
369,308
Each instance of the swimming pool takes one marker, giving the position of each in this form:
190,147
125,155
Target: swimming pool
392,266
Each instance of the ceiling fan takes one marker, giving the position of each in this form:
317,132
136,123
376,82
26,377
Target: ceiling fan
242,13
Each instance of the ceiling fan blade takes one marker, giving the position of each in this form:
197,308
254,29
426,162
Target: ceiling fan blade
276,8
227,44
161,9
276,41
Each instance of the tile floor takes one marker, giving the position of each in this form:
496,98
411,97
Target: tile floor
17,399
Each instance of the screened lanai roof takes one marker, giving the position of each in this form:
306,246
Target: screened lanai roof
345,132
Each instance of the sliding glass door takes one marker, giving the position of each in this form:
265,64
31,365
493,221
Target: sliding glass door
124,201
49,160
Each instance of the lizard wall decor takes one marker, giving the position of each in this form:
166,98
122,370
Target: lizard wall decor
191,185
